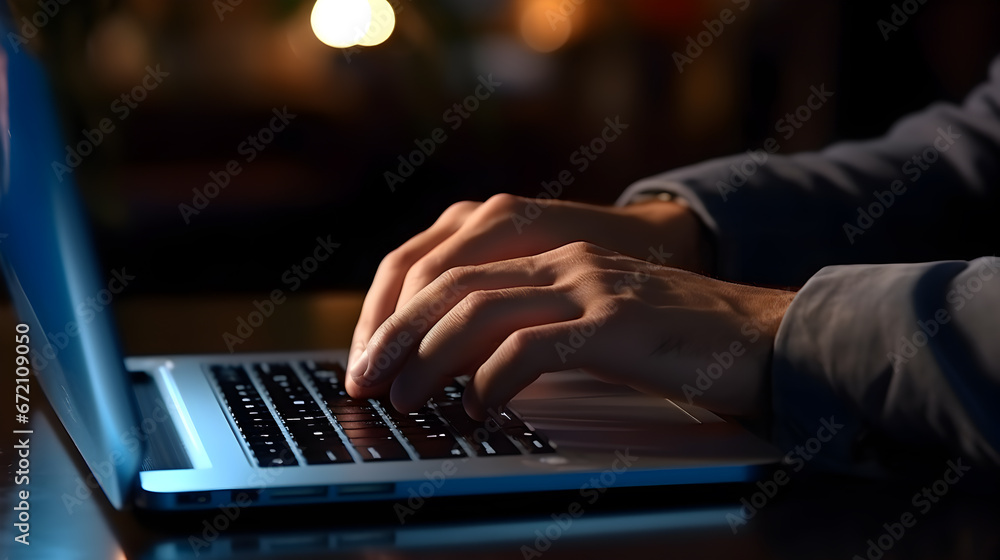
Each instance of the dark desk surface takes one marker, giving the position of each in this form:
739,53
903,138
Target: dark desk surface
808,517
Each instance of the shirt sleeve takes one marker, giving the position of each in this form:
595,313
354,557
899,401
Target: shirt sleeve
900,361
888,354
928,190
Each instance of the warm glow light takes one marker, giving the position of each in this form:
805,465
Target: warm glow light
383,21
546,25
341,23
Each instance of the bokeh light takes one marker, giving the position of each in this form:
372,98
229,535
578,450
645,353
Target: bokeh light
341,23
544,25
382,23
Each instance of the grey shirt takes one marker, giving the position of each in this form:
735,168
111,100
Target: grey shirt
895,332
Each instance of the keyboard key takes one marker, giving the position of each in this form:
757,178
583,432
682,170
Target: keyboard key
360,423
376,440
423,428
230,375
328,377
336,410
274,456
327,454
359,417
325,368
306,435
373,432
529,440
435,444
451,393
380,450
437,449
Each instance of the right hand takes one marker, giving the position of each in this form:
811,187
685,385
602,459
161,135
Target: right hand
639,324
508,227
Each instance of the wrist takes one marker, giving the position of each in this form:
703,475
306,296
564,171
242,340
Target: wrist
689,239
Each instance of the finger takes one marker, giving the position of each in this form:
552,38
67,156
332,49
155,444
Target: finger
488,235
468,334
528,353
381,299
392,343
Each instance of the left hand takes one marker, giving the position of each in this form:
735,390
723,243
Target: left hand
622,319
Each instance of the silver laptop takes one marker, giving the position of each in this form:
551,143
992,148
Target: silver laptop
204,431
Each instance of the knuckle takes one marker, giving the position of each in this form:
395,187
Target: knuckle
458,209
457,276
583,252
422,271
394,260
502,203
521,341
471,305
579,247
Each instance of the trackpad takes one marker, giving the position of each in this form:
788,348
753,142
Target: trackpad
581,413
574,397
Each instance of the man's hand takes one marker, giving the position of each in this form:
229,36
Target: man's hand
507,227
507,322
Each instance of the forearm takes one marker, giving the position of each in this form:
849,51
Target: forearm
900,198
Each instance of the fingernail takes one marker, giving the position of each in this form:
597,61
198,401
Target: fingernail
356,370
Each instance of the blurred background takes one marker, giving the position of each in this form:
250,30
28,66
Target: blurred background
563,67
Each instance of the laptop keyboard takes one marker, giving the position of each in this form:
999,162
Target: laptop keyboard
288,417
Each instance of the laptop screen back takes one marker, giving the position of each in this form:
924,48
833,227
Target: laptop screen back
52,275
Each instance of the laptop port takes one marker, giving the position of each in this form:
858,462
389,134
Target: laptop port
363,489
242,497
194,498
297,493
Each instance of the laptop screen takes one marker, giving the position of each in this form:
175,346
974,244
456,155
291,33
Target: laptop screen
52,276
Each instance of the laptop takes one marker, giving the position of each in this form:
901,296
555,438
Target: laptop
188,432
